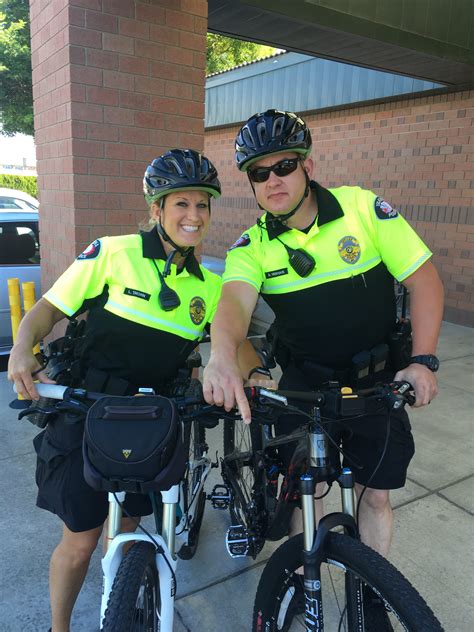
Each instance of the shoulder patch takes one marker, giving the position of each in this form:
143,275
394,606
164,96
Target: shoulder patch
383,210
242,241
92,251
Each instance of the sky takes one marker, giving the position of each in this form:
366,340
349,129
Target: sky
14,148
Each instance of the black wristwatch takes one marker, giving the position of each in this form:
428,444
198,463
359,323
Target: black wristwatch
261,371
430,361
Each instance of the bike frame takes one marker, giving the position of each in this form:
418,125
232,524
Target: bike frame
314,538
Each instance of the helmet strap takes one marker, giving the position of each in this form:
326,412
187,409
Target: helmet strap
184,252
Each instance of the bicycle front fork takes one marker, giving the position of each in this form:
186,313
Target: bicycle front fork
314,549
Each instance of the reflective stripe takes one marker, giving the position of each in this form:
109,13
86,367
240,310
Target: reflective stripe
241,278
366,265
418,263
196,333
54,300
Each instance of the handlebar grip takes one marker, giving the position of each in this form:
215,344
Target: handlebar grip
51,391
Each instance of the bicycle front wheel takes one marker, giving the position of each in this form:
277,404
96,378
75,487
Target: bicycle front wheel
279,602
134,603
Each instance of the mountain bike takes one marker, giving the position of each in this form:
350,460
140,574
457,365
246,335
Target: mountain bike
139,585
340,572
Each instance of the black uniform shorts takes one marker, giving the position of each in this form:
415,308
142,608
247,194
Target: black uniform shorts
60,480
362,439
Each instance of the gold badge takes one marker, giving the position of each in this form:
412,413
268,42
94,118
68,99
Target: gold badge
126,453
349,249
197,310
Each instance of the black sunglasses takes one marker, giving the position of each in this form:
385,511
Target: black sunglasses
280,169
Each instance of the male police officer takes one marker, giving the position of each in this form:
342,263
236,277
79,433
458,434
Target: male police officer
325,260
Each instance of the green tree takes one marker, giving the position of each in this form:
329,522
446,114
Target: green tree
224,53
16,96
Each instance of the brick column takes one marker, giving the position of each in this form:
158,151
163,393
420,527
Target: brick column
115,83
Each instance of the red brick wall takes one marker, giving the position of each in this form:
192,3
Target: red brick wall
115,83
416,152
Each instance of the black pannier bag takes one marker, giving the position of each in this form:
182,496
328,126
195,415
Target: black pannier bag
133,444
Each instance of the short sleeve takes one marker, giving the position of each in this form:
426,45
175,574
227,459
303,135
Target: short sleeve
243,261
400,247
84,279
217,286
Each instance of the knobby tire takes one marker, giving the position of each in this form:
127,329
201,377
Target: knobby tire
134,601
276,603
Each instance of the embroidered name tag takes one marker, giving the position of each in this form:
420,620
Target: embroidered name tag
276,273
137,294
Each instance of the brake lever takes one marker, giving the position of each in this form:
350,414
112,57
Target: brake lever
32,411
398,394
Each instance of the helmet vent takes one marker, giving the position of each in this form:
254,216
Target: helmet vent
278,126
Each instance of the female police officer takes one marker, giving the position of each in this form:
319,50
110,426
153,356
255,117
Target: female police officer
149,301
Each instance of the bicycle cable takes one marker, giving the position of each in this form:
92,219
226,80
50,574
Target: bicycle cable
158,546
351,459
387,435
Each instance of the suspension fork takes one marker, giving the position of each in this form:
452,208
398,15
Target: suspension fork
319,469
314,539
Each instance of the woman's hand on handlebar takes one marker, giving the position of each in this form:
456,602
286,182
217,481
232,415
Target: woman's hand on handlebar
22,366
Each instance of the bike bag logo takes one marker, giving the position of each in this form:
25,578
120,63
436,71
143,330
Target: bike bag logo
126,453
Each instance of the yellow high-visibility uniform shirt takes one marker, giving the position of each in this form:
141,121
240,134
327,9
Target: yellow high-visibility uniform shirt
346,304
128,333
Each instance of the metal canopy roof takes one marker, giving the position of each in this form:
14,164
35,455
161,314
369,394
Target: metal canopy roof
427,39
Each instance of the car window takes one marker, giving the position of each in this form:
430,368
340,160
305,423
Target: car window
19,243
10,203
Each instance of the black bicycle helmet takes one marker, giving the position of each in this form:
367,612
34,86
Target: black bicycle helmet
177,170
271,132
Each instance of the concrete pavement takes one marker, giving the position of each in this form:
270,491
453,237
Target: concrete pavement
432,543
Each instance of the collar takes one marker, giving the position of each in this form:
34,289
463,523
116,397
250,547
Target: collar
329,209
153,249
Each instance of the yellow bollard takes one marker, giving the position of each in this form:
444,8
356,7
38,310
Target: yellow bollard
29,299
15,304
15,307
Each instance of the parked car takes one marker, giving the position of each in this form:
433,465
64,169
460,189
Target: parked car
19,252
12,199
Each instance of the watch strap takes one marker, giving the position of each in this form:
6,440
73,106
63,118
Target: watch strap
261,371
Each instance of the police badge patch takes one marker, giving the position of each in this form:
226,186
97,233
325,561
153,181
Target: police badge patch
197,309
92,251
349,249
242,241
383,210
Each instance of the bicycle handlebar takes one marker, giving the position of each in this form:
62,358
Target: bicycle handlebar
336,401
339,401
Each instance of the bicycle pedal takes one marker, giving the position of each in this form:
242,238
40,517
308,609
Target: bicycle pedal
219,497
237,541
